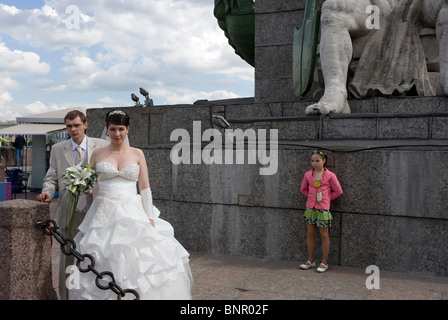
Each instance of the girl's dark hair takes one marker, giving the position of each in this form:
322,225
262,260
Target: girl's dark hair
117,117
321,154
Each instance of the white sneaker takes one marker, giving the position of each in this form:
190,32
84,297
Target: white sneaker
322,267
307,265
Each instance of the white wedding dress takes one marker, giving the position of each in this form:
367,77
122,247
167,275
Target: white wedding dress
117,233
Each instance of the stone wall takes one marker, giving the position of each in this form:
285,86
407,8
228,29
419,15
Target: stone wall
392,213
274,35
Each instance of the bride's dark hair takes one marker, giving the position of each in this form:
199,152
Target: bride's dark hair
117,117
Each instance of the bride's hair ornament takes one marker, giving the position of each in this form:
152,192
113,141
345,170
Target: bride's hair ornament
116,117
120,112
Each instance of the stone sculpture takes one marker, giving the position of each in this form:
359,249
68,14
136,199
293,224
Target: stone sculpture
392,59
237,20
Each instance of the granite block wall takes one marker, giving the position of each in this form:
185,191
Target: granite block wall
393,206
274,35
392,213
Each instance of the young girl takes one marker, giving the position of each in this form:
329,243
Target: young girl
320,186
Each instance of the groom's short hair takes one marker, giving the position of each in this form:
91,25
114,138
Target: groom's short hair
75,113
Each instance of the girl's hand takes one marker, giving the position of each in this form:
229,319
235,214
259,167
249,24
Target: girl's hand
89,192
152,222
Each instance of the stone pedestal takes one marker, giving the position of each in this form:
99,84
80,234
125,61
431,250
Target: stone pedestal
388,156
25,252
2,172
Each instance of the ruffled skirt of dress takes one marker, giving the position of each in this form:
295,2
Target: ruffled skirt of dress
117,233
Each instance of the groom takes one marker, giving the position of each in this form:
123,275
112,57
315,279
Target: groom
63,155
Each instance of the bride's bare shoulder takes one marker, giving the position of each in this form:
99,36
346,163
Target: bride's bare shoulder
138,155
136,151
98,151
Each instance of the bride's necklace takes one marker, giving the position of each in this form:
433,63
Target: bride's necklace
123,150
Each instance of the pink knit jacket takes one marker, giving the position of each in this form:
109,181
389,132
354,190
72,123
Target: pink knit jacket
330,187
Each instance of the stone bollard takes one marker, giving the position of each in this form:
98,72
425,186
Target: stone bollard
25,252
2,172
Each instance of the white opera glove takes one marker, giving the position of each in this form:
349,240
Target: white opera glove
146,195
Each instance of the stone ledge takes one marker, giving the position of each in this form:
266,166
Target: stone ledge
373,126
281,115
12,213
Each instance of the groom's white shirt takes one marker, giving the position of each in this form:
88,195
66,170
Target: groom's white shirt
83,146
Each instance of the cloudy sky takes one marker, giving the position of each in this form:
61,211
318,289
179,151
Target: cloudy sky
53,58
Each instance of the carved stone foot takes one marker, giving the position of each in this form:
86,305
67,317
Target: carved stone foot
317,108
329,104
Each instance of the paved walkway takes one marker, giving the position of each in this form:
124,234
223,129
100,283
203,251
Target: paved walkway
226,277
241,278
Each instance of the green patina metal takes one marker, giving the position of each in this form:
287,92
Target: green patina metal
305,48
237,19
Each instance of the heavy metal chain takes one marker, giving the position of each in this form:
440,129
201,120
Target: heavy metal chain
68,247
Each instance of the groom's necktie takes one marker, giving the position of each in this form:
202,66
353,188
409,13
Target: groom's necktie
80,155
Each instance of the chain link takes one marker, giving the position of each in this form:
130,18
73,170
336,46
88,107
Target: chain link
68,247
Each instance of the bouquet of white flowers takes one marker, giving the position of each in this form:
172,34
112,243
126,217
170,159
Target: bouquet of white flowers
77,180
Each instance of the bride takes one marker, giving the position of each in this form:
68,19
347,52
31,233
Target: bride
122,230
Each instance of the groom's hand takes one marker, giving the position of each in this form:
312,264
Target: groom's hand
43,197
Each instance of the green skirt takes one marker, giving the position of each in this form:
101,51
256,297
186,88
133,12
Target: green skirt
321,218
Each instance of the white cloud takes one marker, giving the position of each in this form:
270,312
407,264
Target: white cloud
111,101
46,27
11,10
178,35
46,84
61,87
6,110
14,63
36,107
169,47
5,97
81,65
40,107
183,96
8,113
19,62
8,83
